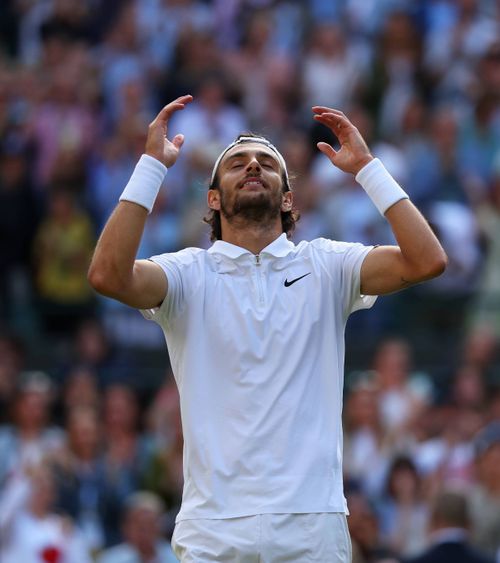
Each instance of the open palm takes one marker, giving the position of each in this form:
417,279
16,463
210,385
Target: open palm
157,144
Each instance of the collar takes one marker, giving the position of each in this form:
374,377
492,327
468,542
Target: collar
447,535
279,248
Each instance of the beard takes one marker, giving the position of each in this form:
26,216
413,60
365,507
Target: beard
252,207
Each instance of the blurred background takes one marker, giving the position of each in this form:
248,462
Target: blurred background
90,438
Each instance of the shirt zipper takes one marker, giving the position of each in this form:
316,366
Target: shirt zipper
258,263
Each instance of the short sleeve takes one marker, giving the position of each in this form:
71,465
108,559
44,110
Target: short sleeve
176,267
343,261
353,259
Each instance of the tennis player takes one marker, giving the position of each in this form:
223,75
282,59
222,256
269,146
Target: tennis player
255,332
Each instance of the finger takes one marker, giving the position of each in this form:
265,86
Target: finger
333,117
324,109
178,140
327,150
335,122
176,105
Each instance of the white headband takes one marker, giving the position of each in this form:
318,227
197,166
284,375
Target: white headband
262,141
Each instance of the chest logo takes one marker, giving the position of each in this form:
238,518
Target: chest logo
291,282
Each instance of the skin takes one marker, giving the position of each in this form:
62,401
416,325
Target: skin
250,180
250,188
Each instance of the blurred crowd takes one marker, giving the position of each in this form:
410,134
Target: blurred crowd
91,447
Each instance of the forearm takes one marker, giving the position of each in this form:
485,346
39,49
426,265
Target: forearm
422,254
418,256
112,266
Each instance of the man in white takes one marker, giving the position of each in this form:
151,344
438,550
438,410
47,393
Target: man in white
255,328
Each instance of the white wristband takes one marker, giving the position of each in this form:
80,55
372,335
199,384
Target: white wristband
145,182
382,188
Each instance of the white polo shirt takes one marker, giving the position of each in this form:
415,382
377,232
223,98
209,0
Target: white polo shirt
257,349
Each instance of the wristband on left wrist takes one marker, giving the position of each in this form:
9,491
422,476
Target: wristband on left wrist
145,182
382,188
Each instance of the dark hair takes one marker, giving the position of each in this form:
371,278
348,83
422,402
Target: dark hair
288,218
401,463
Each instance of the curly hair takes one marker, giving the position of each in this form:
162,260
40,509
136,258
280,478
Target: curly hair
288,218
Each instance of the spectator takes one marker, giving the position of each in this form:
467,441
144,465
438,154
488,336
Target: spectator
365,534
450,522
266,77
124,448
86,491
332,68
18,222
485,493
447,457
163,471
29,437
402,394
80,389
30,529
62,250
395,71
142,533
63,129
403,512
485,308
366,450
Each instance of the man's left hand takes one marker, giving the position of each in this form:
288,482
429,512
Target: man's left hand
354,153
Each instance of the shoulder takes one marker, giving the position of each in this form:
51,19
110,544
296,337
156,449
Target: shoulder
182,258
330,246
185,254
345,256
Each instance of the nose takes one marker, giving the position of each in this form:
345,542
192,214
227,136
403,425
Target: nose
253,165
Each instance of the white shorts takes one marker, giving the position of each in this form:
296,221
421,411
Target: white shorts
264,538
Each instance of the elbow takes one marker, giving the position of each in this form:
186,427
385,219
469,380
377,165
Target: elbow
102,282
434,267
439,264
96,279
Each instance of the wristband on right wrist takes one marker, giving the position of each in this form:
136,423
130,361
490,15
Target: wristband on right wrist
145,182
383,190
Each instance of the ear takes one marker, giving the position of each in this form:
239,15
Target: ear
213,199
286,201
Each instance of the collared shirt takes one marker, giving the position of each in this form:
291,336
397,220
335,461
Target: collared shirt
257,349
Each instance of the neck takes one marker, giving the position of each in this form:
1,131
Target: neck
249,235
37,511
147,552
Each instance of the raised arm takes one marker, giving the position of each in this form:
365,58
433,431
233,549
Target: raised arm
114,270
419,255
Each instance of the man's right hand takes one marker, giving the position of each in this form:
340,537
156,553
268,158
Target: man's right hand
157,144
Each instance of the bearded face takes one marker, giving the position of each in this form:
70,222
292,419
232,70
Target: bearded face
252,204
251,184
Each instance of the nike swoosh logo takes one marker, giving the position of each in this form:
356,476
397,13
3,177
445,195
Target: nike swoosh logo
291,282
